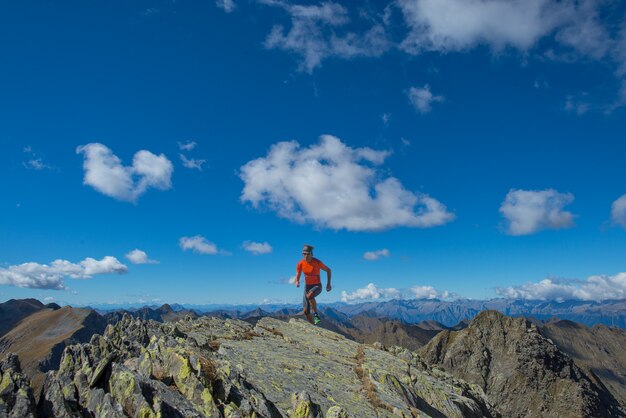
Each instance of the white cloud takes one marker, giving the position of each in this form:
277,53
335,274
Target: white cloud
334,186
569,30
454,25
287,280
371,291
457,25
257,248
530,211
429,292
313,34
375,255
386,117
137,256
43,276
200,245
37,164
226,5
105,173
422,98
192,163
618,211
187,146
583,30
596,288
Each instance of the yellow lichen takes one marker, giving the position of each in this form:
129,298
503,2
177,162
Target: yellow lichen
6,381
185,368
146,412
303,410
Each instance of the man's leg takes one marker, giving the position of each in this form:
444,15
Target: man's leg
306,306
311,295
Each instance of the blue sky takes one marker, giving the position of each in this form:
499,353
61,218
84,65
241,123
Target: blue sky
184,151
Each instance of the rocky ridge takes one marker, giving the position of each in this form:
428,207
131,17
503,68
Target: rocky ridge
520,370
209,367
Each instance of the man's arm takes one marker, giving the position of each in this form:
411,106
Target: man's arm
298,273
328,276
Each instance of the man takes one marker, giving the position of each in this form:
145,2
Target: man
311,267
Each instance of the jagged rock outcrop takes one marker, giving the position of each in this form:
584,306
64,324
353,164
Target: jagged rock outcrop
16,395
523,373
210,367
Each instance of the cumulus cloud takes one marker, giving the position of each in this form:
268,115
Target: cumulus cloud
191,163
530,211
618,211
335,186
137,256
371,291
257,248
375,255
314,34
200,245
105,173
226,5
43,276
457,25
429,292
596,288
422,98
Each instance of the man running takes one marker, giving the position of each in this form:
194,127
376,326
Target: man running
311,267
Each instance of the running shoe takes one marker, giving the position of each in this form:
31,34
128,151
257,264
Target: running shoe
316,318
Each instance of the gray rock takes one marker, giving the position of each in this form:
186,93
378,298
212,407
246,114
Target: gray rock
521,372
16,393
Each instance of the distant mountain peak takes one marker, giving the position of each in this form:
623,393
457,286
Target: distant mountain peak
519,369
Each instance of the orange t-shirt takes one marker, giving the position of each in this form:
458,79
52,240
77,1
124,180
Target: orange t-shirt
311,270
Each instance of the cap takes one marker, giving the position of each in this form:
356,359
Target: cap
307,248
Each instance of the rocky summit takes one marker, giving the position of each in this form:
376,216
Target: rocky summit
522,372
210,367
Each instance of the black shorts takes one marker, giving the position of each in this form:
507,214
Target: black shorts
317,289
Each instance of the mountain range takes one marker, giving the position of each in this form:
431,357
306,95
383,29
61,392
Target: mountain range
449,313
502,365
